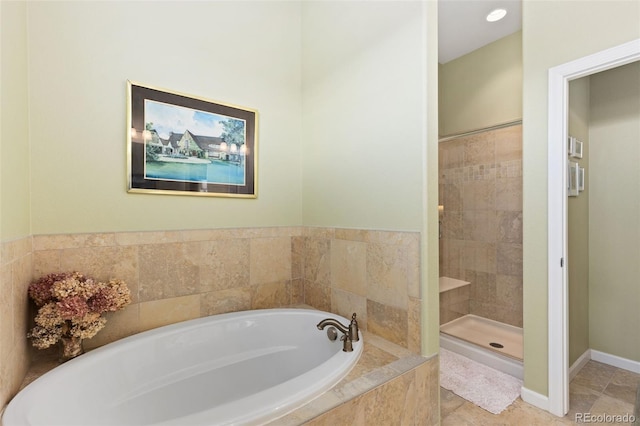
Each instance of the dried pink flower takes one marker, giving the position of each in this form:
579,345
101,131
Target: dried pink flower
112,297
71,304
72,307
40,290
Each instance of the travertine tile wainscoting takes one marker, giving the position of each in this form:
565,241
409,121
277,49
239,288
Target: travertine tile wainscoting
180,275
15,276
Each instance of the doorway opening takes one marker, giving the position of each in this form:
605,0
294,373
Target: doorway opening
559,77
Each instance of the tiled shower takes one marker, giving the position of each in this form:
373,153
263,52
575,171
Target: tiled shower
480,198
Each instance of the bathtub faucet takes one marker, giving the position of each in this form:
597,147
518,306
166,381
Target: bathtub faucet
350,333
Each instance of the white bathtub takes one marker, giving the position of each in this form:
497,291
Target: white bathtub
239,368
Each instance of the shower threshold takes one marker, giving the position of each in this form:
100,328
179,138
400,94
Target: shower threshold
495,336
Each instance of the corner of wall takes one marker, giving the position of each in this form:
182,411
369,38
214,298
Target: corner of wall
15,276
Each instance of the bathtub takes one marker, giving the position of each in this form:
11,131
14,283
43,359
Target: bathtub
241,368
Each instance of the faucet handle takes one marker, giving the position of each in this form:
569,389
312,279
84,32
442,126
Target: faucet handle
347,346
353,328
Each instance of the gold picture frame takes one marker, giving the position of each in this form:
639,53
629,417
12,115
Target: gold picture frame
178,144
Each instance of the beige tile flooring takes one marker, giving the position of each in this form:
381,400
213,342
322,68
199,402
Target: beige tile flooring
597,389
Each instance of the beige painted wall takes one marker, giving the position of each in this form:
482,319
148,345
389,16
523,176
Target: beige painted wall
345,78
578,223
14,129
547,42
614,208
80,57
471,85
363,114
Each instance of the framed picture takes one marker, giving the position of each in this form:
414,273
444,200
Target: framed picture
572,179
186,145
581,179
571,145
577,149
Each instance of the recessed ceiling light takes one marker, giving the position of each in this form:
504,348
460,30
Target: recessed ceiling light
496,15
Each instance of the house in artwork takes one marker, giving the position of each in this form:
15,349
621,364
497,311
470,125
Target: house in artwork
171,144
189,144
153,141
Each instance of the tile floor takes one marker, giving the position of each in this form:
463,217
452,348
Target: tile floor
597,389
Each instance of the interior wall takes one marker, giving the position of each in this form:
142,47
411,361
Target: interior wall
594,26
614,212
15,213
578,226
363,114
471,85
80,56
15,239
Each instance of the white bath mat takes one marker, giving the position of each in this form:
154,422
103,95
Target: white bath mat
486,387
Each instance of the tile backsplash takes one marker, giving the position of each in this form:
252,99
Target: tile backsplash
180,275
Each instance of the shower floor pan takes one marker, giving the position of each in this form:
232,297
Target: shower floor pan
495,336
471,336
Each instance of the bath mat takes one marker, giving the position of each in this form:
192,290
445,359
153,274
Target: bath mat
486,387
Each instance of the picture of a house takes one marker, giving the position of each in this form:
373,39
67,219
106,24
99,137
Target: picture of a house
215,153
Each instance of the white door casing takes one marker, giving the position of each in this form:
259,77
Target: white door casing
559,77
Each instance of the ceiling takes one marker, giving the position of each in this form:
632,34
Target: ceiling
462,27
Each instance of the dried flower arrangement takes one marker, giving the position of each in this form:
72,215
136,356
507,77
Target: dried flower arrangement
71,305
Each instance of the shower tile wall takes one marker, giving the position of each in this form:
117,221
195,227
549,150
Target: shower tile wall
480,187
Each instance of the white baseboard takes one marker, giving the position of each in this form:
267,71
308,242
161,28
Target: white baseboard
534,398
616,361
580,362
542,401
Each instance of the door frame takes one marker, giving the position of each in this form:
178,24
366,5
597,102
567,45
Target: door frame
558,295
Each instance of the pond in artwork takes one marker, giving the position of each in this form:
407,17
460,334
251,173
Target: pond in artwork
213,171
